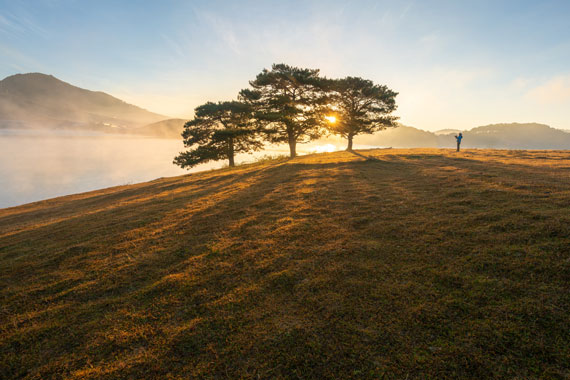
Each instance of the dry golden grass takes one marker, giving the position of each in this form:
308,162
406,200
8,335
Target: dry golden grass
419,263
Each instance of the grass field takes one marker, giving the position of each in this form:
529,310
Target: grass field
420,263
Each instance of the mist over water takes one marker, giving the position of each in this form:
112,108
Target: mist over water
37,165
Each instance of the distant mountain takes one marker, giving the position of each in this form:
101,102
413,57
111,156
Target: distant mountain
400,137
39,100
447,131
516,136
498,136
168,129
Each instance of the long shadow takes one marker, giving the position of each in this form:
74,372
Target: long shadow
106,203
136,283
167,287
368,158
111,194
140,282
92,235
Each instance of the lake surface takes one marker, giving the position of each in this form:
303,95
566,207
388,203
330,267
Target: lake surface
37,165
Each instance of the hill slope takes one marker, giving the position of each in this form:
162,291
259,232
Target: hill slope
417,264
169,129
42,100
400,137
517,136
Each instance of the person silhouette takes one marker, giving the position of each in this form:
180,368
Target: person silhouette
458,138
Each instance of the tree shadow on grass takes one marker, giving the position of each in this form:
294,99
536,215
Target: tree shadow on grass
316,269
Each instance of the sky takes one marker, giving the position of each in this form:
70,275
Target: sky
455,64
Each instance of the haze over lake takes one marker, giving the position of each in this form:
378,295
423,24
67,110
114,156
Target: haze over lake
37,165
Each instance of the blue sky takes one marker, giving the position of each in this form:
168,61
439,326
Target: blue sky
456,64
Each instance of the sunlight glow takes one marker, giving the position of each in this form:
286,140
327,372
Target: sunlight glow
326,148
331,119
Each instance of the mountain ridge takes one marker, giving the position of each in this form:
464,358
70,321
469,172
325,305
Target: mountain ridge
167,129
492,136
42,100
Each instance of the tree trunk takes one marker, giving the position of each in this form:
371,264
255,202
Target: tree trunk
231,152
349,147
292,145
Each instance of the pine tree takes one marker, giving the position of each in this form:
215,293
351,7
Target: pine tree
361,107
219,131
289,103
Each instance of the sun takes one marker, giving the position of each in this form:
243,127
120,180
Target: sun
331,119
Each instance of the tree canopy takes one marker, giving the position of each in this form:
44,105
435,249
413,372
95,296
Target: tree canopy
290,104
218,131
361,107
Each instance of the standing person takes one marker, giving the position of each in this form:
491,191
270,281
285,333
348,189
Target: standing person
458,138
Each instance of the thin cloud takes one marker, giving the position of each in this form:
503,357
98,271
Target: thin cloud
223,29
8,26
406,10
175,46
20,24
554,91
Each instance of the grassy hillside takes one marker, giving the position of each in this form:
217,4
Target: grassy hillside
414,264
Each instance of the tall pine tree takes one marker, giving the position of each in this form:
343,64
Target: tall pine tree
289,103
361,107
219,131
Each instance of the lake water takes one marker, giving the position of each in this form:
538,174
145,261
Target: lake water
37,165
